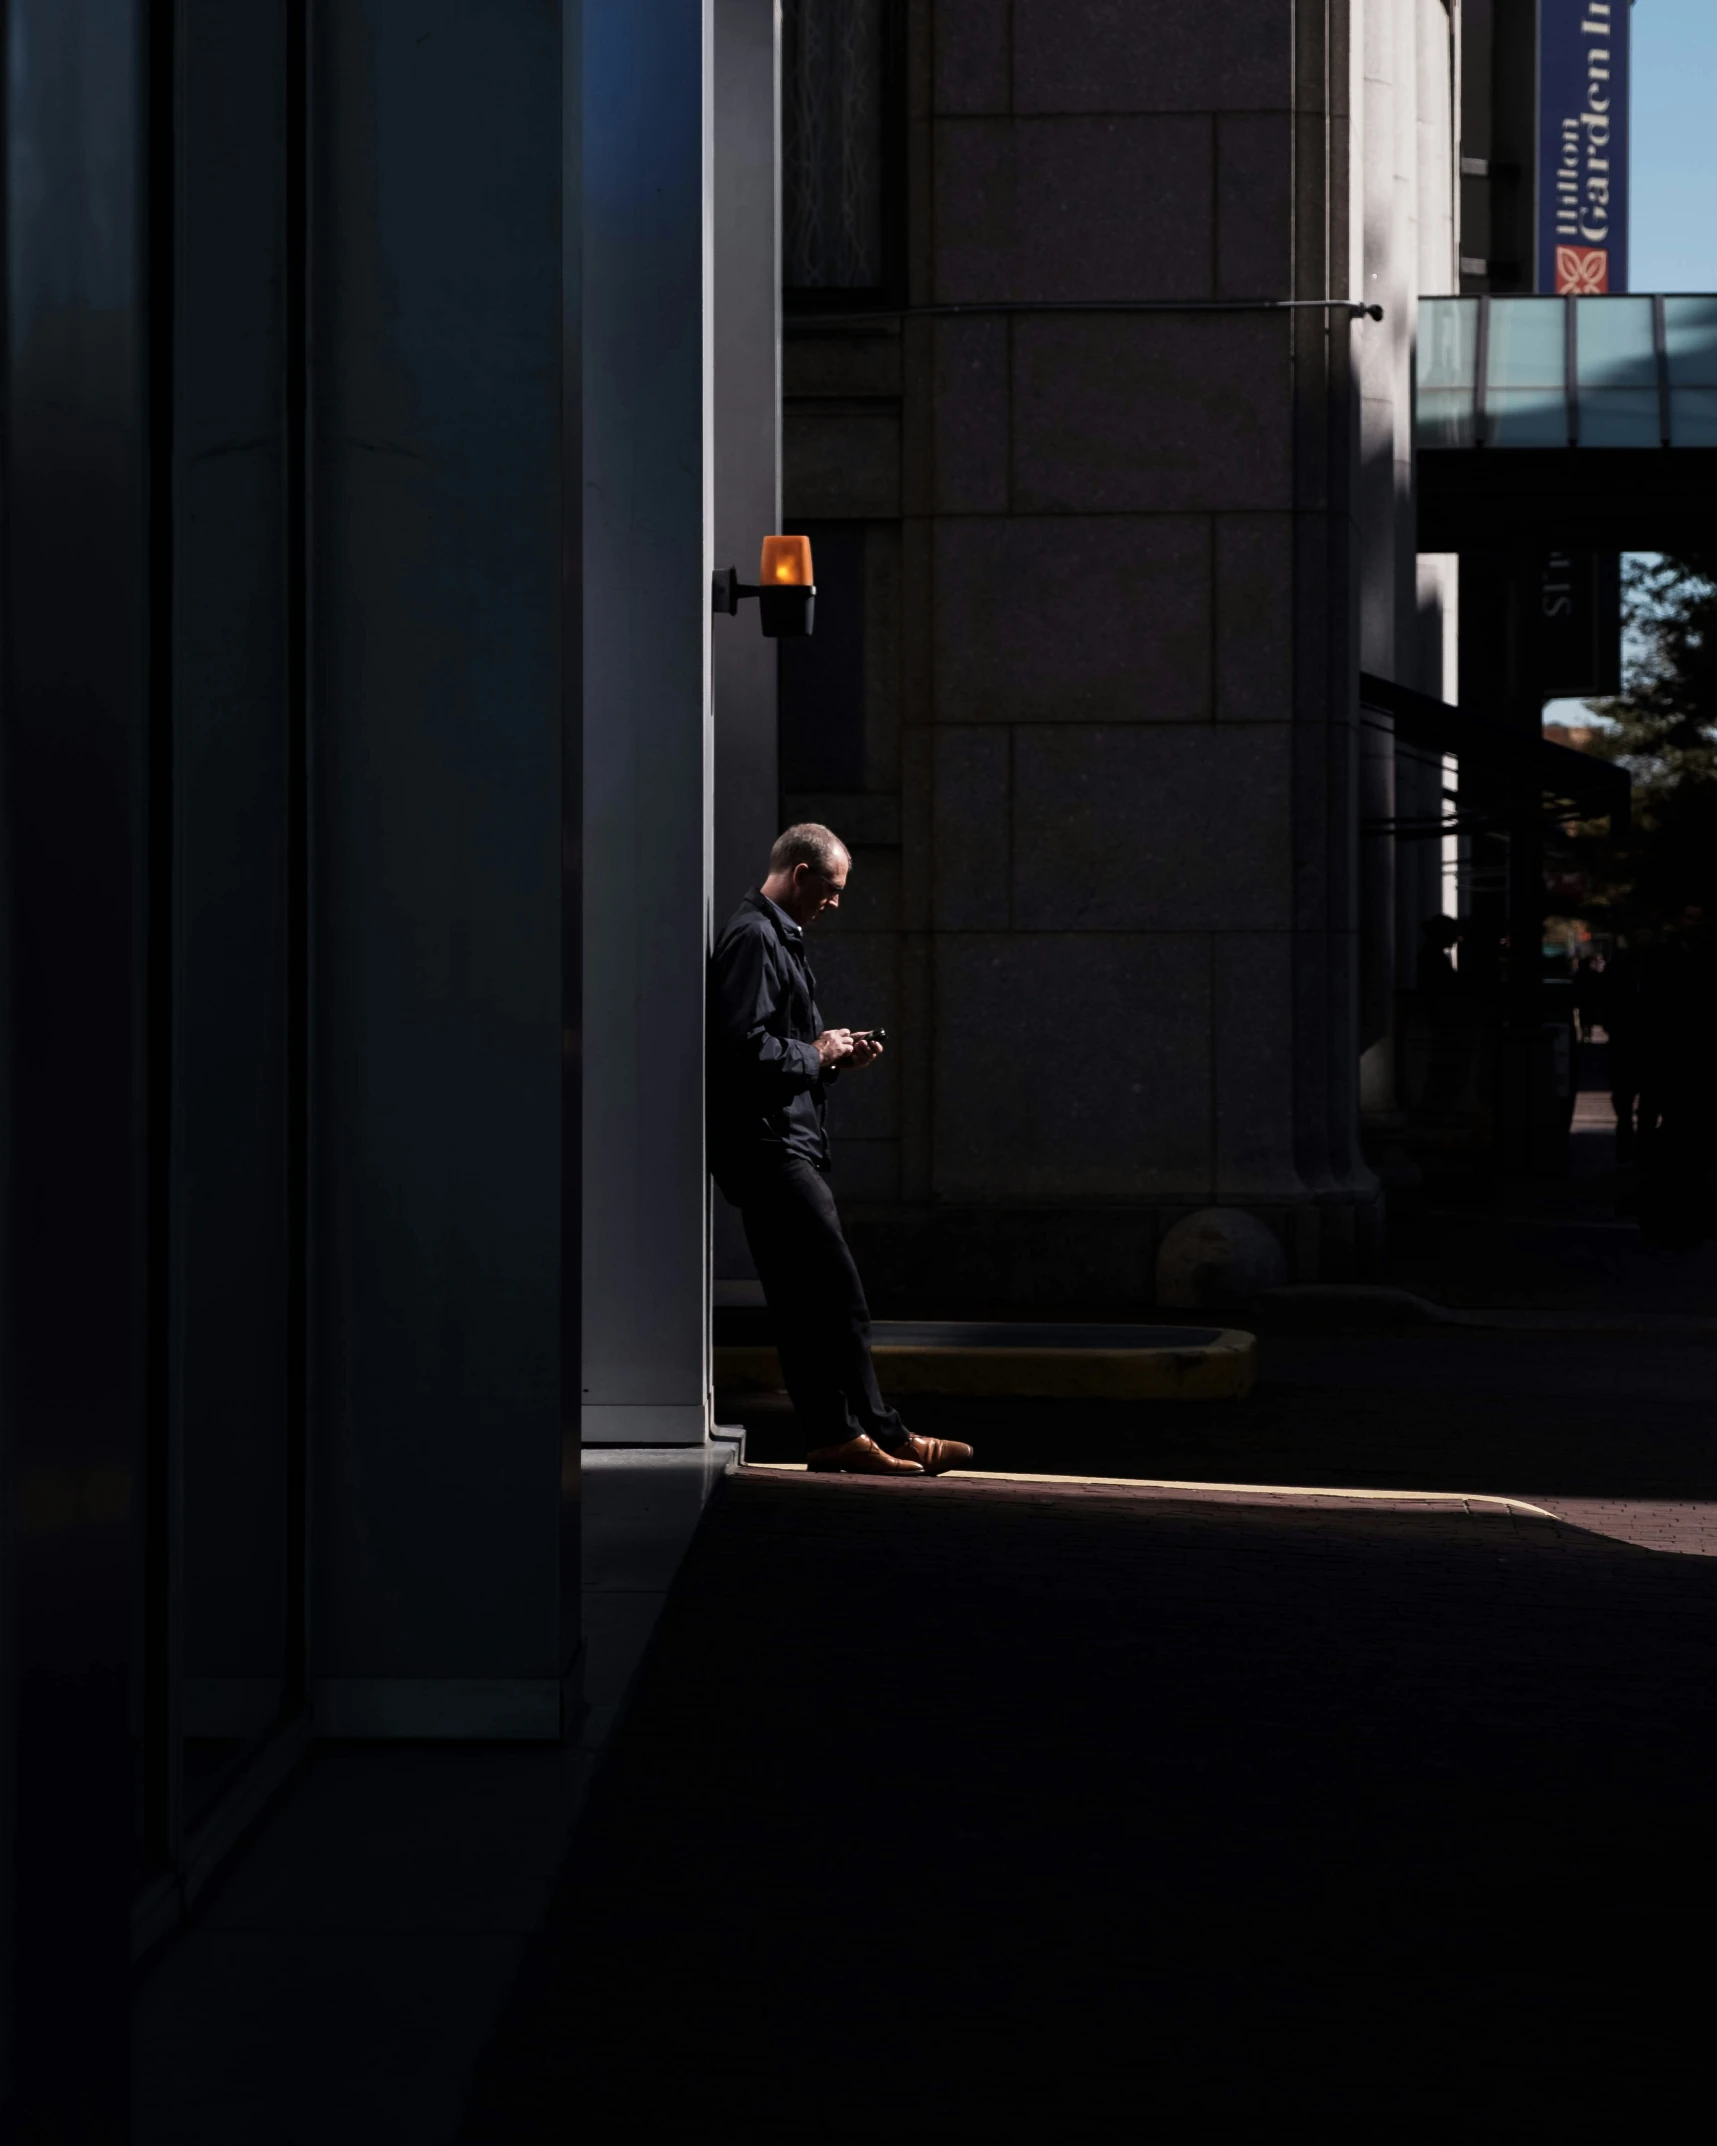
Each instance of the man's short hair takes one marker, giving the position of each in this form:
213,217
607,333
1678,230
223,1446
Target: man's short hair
819,847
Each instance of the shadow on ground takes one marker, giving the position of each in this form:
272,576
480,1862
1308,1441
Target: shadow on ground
969,1809
991,1809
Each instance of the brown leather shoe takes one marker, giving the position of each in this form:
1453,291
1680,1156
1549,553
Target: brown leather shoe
936,1455
862,1456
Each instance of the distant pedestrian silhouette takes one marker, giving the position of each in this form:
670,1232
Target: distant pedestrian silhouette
1438,937
1621,1026
1589,996
1675,1014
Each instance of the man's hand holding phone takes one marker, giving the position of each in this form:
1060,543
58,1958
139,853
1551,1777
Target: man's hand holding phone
850,1046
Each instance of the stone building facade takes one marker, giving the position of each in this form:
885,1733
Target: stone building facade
1104,552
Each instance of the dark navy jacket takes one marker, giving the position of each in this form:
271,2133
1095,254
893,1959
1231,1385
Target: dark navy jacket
766,1084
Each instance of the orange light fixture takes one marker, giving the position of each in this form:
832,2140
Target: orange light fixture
785,592
786,563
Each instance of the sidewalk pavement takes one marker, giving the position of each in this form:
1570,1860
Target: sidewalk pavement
971,1807
341,1976
1614,1430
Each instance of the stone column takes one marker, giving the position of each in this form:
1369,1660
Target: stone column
1407,602
746,321
1129,586
1387,47
648,763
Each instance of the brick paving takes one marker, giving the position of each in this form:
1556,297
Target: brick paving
1683,1527
979,1807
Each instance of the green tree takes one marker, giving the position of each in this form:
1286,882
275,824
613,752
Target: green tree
1663,728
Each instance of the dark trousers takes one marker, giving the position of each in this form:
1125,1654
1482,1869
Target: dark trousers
821,1320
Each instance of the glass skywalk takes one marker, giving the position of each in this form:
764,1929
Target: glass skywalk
1567,372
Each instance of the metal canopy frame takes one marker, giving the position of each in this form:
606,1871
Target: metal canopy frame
1599,786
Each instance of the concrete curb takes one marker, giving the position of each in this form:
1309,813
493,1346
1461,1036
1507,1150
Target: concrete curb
1224,1368
1326,1307
1348,1308
1172,1485
1665,1325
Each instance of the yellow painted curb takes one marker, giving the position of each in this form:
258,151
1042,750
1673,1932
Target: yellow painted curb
1223,1369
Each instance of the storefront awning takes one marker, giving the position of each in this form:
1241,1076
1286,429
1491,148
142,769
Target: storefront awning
1597,787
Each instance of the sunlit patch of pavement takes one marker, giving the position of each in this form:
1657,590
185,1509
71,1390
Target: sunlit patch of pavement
1681,1527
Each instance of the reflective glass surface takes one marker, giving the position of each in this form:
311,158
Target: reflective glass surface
1448,343
1526,389
1528,343
1690,341
1444,417
1448,363
1526,401
1613,337
1526,417
1690,346
1619,416
833,95
1693,417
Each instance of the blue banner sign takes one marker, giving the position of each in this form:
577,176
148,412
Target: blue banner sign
1582,146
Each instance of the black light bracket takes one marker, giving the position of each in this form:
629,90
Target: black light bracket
725,590
787,612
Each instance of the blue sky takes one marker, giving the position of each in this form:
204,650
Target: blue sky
1672,224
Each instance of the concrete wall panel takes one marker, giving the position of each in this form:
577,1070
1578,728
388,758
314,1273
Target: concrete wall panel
1073,619
883,655
1254,618
858,986
1255,205
1152,827
1170,56
1072,1066
968,412
846,362
970,71
839,462
1152,414
1073,208
866,1170
871,902
970,851
1252,1049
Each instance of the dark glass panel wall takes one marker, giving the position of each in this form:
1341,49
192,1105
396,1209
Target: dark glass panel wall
833,61
75,910
232,1253
437,521
165,693
842,150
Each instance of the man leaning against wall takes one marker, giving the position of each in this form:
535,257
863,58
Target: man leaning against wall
772,1063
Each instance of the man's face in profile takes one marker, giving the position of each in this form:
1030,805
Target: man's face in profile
814,891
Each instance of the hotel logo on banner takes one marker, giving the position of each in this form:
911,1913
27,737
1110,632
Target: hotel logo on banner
1582,271
1582,146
